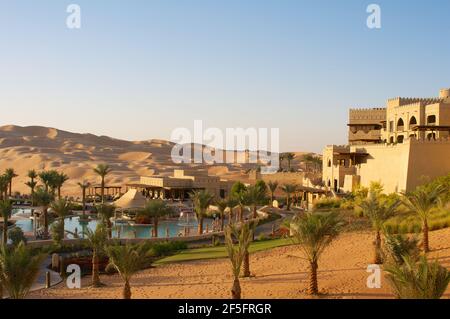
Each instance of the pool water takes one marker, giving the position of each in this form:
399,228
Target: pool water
73,224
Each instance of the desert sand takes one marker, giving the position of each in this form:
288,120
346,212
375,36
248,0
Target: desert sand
36,147
278,273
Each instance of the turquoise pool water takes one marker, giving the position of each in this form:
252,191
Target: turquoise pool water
73,224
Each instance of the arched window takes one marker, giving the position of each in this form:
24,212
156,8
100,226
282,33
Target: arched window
329,163
431,136
400,139
391,139
329,183
400,125
412,122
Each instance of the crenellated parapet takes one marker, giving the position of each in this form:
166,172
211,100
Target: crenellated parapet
401,101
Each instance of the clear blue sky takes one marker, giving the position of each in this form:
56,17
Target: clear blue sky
138,69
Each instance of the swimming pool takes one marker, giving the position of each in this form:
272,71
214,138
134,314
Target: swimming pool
73,225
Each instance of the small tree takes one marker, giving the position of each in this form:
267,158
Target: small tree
97,240
201,200
289,189
106,212
5,212
399,246
236,253
127,260
155,209
272,187
62,208
19,269
238,194
378,211
418,280
43,198
422,202
102,170
84,186
314,232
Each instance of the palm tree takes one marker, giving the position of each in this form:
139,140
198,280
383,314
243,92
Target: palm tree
418,280
314,232
201,200
32,175
423,202
288,189
155,209
59,180
281,158
238,194
5,211
378,211
398,246
236,253
102,170
222,206
97,240
246,263
127,260
62,208
10,174
84,185
43,198
106,212
253,197
19,269
289,157
46,178
272,187
4,182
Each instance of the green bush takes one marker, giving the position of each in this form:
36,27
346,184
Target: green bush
328,203
160,249
16,235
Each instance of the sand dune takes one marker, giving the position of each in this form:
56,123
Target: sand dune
36,147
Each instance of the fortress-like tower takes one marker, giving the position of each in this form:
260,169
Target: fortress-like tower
399,145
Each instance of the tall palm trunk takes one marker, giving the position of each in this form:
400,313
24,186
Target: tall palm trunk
84,203
236,289
45,208
5,233
59,192
255,214
377,245
63,226
10,188
155,227
103,189
222,222
313,284
200,225
127,290
426,243
246,265
95,275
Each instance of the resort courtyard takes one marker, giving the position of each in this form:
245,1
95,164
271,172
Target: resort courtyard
276,273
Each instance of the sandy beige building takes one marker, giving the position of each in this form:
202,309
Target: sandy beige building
181,184
401,145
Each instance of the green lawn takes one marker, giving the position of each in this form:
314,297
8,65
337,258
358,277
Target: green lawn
220,251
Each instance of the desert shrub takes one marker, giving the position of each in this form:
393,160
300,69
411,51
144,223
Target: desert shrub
399,246
57,232
16,235
328,203
421,279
